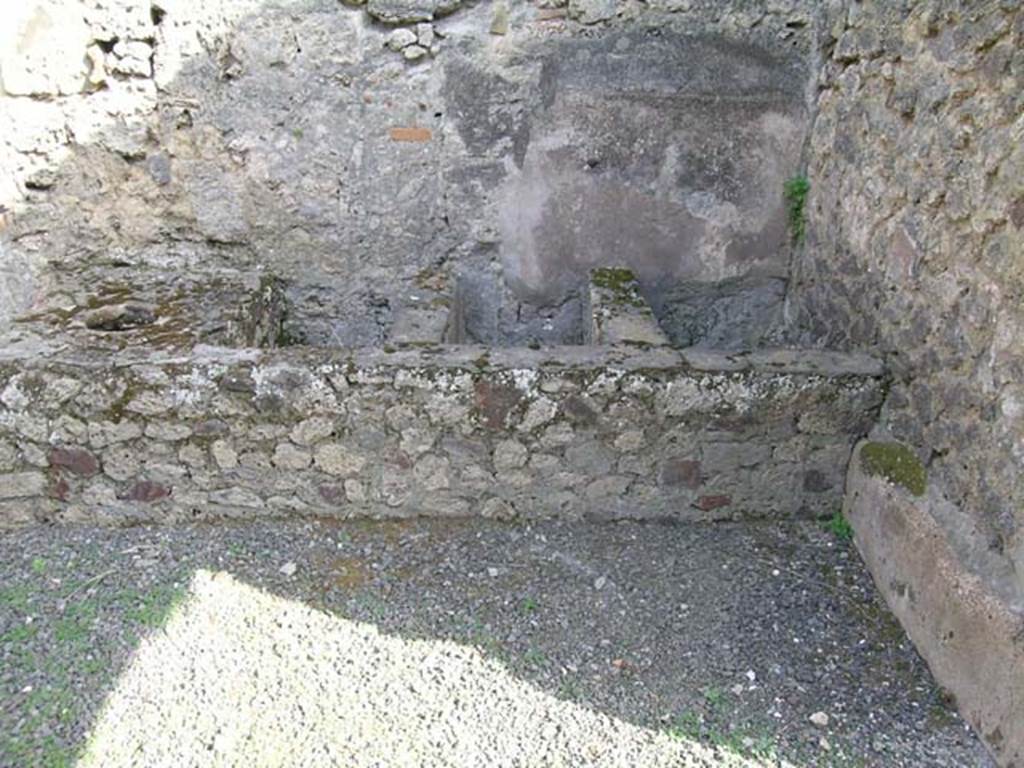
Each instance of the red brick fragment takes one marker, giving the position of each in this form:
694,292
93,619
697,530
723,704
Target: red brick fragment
78,461
413,133
494,402
708,503
147,491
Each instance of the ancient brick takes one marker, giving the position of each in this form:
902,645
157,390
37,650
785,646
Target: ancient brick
410,134
78,461
494,402
146,491
708,503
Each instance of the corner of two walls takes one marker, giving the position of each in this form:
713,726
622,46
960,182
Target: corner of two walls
914,251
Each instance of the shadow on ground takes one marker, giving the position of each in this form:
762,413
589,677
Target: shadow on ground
457,643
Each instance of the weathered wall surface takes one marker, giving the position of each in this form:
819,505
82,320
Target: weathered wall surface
916,230
915,243
570,432
365,152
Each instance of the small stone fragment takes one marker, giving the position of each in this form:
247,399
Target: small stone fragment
425,34
224,455
289,569
509,454
120,317
499,21
497,509
592,11
414,52
400,38
336,459
819,720
287,456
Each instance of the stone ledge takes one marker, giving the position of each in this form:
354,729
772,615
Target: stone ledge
573,432
963,621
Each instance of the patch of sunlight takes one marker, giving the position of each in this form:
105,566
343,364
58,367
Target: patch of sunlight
240,677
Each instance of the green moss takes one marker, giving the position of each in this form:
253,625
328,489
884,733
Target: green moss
795,191
613,278
896,463
621,282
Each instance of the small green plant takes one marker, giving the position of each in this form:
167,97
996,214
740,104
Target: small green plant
38,566
484,640
795,191
15,598
151,609
74,630
569,690
839,526
529,605
535,658
686,727
715,698
236,550
20,634
367,606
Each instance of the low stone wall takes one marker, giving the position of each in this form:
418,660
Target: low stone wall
961,603
455,430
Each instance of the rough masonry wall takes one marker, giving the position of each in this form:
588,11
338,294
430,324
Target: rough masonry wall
364,151
916,235
604,433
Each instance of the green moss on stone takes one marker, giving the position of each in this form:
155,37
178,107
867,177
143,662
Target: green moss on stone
896,463
621,282
613,278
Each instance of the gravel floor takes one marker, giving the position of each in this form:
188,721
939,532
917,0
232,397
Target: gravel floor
457,643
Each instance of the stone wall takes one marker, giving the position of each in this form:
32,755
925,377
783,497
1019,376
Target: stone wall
916,226
600,432
915,230
364,152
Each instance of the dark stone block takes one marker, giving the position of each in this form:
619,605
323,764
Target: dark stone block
579,411
211,427
684,472
815,481
736,313
238,381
